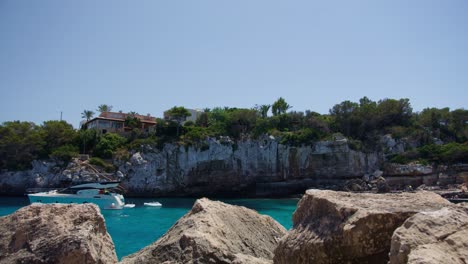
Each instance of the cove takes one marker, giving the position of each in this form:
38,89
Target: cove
134,228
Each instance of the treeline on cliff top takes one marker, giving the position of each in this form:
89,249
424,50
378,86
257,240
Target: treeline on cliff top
437,135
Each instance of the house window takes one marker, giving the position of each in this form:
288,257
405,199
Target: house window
117,125
92,124
104,124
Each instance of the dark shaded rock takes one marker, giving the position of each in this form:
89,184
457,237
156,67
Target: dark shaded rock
382,185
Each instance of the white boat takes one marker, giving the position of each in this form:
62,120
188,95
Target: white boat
97,193
153,204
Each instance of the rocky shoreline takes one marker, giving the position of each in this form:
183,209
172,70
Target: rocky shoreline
328,227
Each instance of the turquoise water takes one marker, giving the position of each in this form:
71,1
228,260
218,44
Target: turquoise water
134,228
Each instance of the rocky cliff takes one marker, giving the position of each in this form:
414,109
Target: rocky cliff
256,167
56,233
221,167
252,167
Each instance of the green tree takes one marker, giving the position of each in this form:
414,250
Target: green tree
241,121
88,114
280,107
20,143
104,108
57,134
317,122
87,140
178,114
433,117
393,112
458,124
344,116
262,110
65,153
132,121
108,143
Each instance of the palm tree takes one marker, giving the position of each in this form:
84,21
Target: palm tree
280,107
264,110
104,108
88,114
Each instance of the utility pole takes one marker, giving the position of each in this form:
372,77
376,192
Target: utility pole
60,115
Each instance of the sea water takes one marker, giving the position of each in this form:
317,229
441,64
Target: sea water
132,229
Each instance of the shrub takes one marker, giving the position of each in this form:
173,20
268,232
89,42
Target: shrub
448,153
101,163
355,144
65,153
107,144
97,161
195,134
138,144
301,137
122,154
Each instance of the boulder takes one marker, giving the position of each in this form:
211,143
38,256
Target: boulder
414,169
137,159
382,185
214,232
55,233
342,227
432,237
355,185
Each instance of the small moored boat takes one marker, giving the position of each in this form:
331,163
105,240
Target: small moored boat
99,193
153,204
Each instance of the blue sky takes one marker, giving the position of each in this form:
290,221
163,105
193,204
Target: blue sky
147,56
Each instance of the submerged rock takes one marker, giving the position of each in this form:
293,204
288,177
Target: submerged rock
214,232
56,233
341,227
432,237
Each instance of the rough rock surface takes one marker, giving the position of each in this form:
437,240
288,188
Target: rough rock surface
214,232
341,227
432,237
224,167
48,174
260,167
414,169
55,233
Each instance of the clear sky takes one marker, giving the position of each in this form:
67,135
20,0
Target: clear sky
147,56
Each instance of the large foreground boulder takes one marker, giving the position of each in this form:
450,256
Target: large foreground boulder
432,237
214,232
342,227
55,233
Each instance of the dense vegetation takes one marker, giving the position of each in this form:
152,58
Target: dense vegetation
435,135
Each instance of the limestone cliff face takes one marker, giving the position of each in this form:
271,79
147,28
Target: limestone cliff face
254,167
223,168
48,174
